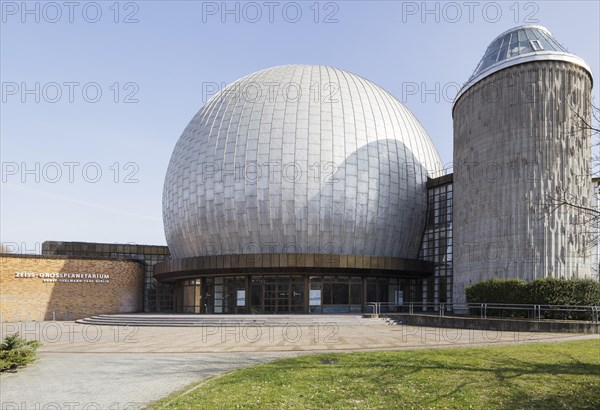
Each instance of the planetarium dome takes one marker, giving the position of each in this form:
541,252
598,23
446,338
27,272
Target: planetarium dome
299,159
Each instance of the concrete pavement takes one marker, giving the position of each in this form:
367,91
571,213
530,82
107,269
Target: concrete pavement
112,367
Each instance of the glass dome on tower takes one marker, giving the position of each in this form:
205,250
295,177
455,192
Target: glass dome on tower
520,45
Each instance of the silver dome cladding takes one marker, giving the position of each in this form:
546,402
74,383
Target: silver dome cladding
299,158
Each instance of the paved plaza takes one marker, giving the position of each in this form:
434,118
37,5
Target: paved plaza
85,366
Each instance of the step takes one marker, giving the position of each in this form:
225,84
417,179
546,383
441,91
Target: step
225,320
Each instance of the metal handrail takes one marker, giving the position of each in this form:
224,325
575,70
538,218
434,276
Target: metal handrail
439,307
536,311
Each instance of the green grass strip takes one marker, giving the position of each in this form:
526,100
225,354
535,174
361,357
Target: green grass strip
527,376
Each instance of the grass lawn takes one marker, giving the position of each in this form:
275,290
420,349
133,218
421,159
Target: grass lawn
533,376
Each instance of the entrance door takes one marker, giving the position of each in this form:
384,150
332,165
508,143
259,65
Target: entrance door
297,295
278,294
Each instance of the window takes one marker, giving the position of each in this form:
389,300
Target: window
536,45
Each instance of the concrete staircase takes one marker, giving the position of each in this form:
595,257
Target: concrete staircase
181,320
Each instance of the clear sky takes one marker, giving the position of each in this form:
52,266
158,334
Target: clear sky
96,94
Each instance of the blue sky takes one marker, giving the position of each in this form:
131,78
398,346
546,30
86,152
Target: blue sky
83,166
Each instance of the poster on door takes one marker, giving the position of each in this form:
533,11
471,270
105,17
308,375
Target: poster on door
399,297
241,298
315,297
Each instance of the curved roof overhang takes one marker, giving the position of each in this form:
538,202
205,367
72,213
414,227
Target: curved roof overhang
299,263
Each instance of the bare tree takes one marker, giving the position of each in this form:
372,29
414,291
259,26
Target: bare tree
588,215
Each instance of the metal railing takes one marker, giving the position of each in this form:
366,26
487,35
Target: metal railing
483,310
536,312
391,307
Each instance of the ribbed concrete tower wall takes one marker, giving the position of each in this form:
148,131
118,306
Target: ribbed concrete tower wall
519,146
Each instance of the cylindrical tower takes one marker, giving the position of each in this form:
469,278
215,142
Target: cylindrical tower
521,150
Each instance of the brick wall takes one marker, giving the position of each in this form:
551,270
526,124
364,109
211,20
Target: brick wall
38,298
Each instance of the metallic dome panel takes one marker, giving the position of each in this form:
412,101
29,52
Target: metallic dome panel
299,159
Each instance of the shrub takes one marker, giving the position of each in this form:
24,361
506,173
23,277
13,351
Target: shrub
16,351
14,341
549,291
498,291
583,292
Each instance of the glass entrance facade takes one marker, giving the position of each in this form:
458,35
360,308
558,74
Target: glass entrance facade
336,294
277,294
271,294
